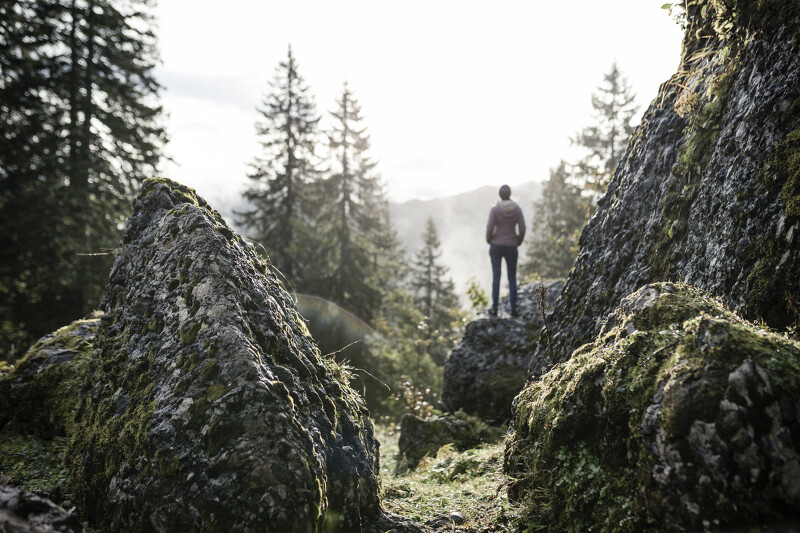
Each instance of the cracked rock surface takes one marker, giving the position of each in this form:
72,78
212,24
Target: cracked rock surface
207,405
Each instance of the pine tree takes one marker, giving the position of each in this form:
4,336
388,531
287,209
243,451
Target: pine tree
434,295
280,192
80,118
352,216
605,141
558,218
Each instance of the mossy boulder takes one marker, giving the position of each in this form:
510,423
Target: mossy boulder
41,390
38,396
680,416
490,365
207,405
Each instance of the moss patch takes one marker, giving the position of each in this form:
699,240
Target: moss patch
33,463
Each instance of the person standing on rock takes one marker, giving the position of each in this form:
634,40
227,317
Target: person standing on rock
504,233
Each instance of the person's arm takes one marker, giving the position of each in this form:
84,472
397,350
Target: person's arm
520,225
490,227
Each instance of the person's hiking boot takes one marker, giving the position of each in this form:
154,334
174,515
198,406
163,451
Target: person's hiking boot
493,311
514,313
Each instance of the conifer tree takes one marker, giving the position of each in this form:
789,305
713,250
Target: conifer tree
434,295
558,217
280,193
353,214
79,111
605,141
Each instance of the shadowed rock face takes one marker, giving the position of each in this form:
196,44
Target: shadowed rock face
489,366
24,512
207,405
680,417
707,192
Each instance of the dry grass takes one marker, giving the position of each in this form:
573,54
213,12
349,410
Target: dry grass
470,483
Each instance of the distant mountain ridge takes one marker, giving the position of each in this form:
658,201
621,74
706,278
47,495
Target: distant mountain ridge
461,224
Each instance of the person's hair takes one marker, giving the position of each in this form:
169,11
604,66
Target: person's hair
505,192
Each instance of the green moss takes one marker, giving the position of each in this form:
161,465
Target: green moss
168,463
34,463
216,391
180,193
210,370
198,411
46,404
783,172
220,432
189,332
700,136
774,283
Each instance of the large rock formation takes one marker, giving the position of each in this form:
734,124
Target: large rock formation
489,366
708,190
207,406
682,417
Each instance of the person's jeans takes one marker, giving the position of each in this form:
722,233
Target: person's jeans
509,253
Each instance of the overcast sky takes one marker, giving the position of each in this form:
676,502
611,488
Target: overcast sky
455,94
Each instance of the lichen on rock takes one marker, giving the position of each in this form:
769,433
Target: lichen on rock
207,405
679,416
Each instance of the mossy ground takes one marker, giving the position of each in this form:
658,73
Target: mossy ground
33,463
469,482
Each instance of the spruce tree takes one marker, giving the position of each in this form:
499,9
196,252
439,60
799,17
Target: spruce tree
604,142
280,193
81,127
352,214
434,295
558,217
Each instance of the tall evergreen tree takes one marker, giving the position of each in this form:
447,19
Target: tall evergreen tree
558,217
351,215
606,139
434,295
78,106
280,191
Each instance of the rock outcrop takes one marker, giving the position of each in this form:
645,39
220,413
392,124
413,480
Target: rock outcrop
680,417
24,512
707,191
207,405
489,366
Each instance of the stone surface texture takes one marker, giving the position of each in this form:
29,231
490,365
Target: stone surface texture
207,405
25,512
680,417
489,366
